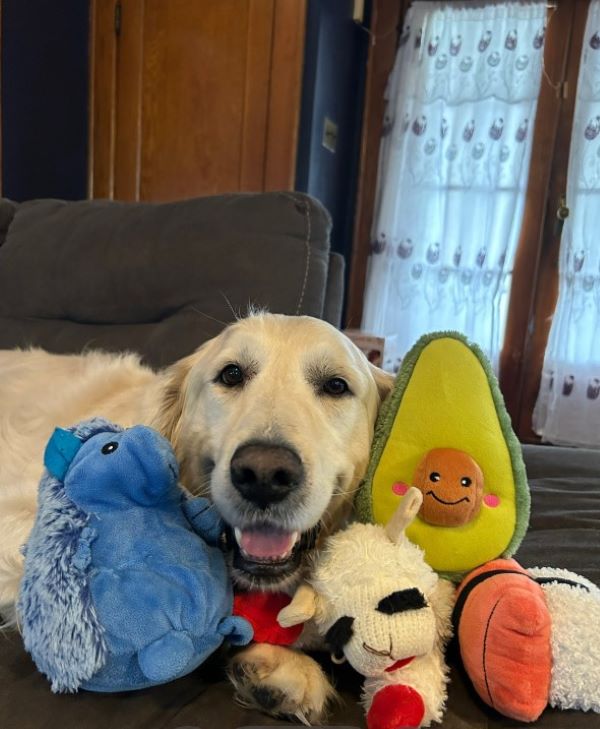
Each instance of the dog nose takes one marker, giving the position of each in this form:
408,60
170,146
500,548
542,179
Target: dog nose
265,474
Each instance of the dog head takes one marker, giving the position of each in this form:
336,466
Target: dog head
274,417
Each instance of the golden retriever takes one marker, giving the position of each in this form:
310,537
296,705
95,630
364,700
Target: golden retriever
273,419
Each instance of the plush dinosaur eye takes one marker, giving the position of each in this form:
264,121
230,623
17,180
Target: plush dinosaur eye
465,481
435,476
109,448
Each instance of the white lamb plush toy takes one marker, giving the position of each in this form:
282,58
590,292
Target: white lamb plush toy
381,607
574,606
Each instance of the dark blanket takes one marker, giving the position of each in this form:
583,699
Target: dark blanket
564,532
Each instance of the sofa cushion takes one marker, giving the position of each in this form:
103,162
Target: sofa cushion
158,278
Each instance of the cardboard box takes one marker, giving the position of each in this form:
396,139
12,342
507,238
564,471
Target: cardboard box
380,351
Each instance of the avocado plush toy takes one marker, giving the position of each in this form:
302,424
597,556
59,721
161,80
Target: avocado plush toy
445,429
125,585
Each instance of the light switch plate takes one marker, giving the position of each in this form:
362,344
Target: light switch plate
330,134
358,11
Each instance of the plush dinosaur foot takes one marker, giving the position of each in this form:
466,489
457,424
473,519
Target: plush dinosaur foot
395,707
166,658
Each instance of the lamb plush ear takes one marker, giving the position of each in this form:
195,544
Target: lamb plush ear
302,608
407,510
62,448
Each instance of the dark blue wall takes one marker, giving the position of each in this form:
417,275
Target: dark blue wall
44,98
333,86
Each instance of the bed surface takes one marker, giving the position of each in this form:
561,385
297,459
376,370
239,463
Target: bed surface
564,532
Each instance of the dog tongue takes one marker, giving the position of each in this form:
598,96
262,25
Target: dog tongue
267,544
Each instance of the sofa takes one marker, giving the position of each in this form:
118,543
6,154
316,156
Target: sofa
160,280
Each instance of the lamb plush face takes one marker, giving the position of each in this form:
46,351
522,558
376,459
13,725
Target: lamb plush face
379,618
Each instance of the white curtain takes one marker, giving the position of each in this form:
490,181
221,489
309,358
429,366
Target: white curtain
568,406
453,167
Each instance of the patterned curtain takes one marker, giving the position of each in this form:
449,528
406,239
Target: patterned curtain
568,406
453,167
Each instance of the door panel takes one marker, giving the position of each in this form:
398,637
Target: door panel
206,97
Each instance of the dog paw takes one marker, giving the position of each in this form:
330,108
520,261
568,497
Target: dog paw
281,681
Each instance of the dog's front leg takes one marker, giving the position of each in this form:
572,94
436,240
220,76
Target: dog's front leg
281,681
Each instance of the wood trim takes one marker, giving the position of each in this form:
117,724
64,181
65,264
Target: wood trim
256,94
385,20
1,137
546,289
128,112
103,71
529,251
283,116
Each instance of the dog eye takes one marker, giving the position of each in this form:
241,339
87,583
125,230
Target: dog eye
109,448
231,375
434,476
336,387
465,481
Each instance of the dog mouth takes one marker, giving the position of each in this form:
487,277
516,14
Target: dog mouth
266,545
268,551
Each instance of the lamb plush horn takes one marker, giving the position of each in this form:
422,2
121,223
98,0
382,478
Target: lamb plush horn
407,510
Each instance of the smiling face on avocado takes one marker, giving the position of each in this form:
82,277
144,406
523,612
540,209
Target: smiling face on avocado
452,486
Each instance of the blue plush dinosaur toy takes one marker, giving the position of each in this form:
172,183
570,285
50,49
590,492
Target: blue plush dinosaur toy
124,585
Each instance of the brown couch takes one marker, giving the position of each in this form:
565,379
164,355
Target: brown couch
153,278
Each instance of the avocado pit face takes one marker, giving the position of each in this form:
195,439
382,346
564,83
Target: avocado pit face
451,482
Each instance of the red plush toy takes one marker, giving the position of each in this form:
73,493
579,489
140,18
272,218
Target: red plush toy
261,610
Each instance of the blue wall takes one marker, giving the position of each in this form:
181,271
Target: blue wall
333,86
44,98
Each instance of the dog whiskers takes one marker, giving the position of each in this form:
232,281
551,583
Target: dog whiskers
208,316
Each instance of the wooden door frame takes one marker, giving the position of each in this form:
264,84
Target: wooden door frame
1,135
285,92
544,291
538,203
386,21
102,99
115,103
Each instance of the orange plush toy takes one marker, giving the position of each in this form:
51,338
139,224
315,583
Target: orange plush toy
503,627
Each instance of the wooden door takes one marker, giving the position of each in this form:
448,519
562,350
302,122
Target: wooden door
537,282
194,97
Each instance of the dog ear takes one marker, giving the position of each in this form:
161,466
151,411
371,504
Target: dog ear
173,393
383,380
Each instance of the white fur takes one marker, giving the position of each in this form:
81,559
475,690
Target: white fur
575,614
